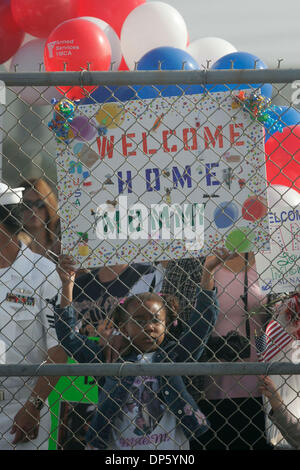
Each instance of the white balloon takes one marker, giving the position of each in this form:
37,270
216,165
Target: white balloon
209,49
279,196
115,44
30,58
149,26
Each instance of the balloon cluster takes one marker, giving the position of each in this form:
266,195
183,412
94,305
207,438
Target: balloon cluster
259,108
63,115
77,35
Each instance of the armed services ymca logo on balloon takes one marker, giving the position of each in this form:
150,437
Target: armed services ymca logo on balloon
62,48
50,46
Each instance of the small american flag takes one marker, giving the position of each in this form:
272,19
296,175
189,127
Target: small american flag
261,345
271,342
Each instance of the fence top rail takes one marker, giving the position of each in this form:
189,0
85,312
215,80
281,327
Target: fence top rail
160,77
160,369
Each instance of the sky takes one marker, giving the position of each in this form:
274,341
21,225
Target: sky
267,28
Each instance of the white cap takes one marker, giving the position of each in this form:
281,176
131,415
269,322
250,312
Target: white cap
10,195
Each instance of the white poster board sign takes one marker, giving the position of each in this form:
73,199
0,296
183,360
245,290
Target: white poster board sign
165,178
279,269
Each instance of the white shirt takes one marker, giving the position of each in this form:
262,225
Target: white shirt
26,318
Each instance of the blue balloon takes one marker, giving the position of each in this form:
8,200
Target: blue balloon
164,58
167,58
109,94
284,116
240,60
226,214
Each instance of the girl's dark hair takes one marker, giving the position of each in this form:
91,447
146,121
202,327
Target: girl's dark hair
11,217
168,302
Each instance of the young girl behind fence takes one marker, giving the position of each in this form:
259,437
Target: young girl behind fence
144,412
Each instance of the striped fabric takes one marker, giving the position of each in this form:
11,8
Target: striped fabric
270,343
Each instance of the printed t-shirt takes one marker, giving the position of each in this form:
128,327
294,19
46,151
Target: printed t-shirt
145,423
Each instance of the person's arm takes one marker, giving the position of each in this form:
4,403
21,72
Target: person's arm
81,348
67,273
288,425
26,422
267,388
192,342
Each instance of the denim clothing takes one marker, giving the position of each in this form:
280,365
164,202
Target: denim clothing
172,390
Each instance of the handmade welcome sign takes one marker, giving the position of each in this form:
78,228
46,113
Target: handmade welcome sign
164,178
279,268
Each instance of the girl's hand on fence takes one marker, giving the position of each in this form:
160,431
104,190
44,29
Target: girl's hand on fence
118,344
268,389
104,330
113,340
26,424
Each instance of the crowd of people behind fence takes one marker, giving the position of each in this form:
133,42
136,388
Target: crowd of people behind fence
193,309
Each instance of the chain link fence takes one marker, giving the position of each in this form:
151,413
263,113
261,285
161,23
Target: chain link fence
200,149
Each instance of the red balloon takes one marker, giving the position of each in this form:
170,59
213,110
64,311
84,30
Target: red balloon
114,12
75,45
283,157
11,36
254,208
40,17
